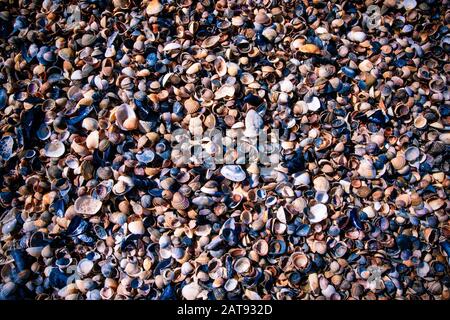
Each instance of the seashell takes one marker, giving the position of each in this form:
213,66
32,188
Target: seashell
54,149
356,36
310,48
85,267
365,66
179,201
210,41
300,260
194,68
220,66
136,227
286,86
412,153
191,291
153,7
126,118
366,169
92,140
123,185
301,179
409,4
398,162
318,213
314,104
191,106
253,123
44,132
233,173
321,184
242,265
90,124
225,91
87,205
420,122
145,156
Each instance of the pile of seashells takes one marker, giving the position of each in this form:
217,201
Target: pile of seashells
94,205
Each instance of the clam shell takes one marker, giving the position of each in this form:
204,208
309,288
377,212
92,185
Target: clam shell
179,201
126,118
310,48
299,260
321,184
87,205
191,105
356,36
191,291
153,7
85,267
412,153
366,169
220,66
253,123
210,41
233,173
398,162
54,149
318,213
242,265
92,140
136,227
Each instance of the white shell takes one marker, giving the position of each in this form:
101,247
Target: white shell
54,149
253,122
233,172
191,291
314,104
318,213
356,36
87,205
136,227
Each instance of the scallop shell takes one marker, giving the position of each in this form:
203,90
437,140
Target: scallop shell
179,201
87,205
318,213
191,105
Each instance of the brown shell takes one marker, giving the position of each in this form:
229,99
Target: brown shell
191,105
179,201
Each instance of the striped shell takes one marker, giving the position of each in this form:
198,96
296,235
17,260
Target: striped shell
191,105
179,201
